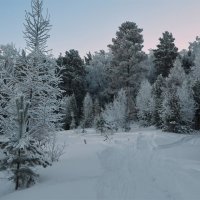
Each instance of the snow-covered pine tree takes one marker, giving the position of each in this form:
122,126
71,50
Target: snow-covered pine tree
34,75
40,78
88,115
145,104
157,91
37,27
177,98
171,111
115,113
21,151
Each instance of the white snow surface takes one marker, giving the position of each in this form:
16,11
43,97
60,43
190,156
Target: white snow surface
144,164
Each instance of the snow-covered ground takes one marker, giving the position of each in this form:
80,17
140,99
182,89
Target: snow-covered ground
144,164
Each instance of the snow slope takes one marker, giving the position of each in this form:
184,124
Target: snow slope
144,164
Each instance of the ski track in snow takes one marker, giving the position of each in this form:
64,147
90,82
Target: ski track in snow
139,170
142,165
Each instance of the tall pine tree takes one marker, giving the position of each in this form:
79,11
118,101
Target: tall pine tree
126,71
165,54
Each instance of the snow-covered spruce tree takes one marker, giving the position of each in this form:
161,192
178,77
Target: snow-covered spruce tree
171,111
145,104
115,113
40,79
88,115
165,54
126,71
157,90
22,152
177,97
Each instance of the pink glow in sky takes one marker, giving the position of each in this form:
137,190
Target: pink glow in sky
90,25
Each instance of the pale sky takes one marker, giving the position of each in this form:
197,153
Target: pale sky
90,25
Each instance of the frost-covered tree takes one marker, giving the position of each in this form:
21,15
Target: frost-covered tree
177,75
115,113
177,99
171,111
195,80
157,91
187,105
126,71
165,54
8,82
34,75
88,114
40,78
97,72
145,104
21,151
37,27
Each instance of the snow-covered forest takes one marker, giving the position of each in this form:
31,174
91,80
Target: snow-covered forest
125,109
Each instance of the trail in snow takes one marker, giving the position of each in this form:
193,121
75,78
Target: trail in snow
140,171
145,164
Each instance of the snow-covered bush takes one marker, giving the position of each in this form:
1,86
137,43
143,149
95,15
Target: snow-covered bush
115,113
53,149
